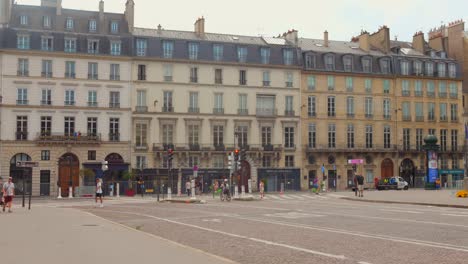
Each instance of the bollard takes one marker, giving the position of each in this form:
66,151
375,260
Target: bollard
118,190
282,189
169,193
236,192
59,193
243,191
193,190
250,186
70,192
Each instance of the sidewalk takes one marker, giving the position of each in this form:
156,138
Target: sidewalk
56,235
440,198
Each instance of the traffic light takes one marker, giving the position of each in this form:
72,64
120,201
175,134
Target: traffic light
236,155
243,155
170,156
239,165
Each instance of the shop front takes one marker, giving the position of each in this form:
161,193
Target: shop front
274,179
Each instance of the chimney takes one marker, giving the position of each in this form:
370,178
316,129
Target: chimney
381,39
130,14
418,42
200,26
325,39
364,41
5,11
101,10
159,29
292,36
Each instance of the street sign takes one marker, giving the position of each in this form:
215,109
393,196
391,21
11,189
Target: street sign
453,172
27,164
356,161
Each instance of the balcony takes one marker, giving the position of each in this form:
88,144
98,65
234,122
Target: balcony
46,74
345,149
218,111
454,119
266,83
387,117
265,112
419,118
114,105
430,94
92,104
369,116
48,102
418,93
142,77
453,96
349,115
69,103
114,77
194,79
431,119
115,137
92,76
69,75
331,114
289,84
141,147
194,110
405,93
141,109
444,119
410,148
407,118
194,147
242,82
290,147
271,147
21,135
219,147
312,114
218,81
242,111
23,73
442,95
168,78
22,102
65,138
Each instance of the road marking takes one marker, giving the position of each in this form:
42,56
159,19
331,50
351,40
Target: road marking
308,196
267,242
212,220
400,211
286,197
362,262
292,215
455,215
274,197
297,197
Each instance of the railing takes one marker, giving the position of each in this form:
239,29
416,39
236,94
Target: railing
141,146
418,93
65,138
194,147
387,117
23,73
218,81
92,104
444,119
266,83
193,79
430,94
454,119
355,148
369,116
167,109
22,102
48,102
405,93
242,111
69,103
442,95
219,111
219,147
114,136
289,113
114,105
194,110
21,135
242,82
70,75
141,109
312,114
168,78
406,118
289,84
92,76
266,112
349,115
142,77
453,96
114,77
419,118
46,74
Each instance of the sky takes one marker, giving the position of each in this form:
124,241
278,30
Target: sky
343,19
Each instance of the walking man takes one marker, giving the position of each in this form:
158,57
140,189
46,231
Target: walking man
99,191
262,189
187,187
360,181
8,193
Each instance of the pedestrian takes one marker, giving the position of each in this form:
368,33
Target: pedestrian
315,186
355,185
360,181
99,192
2,199
187,187
8,194
262,189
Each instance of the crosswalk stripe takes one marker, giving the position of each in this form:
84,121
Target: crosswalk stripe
308,196
287,197
274,197
297,197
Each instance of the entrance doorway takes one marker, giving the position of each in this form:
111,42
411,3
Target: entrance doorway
244,176
22,177
69,172
350,183
407,171
386,169
312,177
45,183
331,179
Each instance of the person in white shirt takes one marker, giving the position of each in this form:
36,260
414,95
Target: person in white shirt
99,191
8,194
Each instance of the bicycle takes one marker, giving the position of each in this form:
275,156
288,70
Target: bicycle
225,195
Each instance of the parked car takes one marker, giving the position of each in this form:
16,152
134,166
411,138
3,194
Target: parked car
393,183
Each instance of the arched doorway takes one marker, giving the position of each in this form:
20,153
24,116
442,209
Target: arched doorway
244,176
407,171
116,167
22,177
69,172
386,169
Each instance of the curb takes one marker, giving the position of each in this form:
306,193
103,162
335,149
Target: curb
410,203
184,201
247,199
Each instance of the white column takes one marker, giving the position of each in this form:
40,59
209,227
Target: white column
193,190
70,192
243,191
59,193
169,194
236,192
118,190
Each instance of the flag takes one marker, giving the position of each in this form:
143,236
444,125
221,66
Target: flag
323,169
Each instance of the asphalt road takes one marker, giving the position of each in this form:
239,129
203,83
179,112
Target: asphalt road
303,228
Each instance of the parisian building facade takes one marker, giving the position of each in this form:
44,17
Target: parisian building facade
79,88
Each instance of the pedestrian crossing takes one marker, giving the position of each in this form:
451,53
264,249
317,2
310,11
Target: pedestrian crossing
293,197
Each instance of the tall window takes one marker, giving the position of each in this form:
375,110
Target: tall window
193,50
69,97
69,126
366,65
406,111
311,83
405,89
46,98
419,139
242,54
141,47
331,83
141,162
92,126
368,85
218,103
92,25
452,70
418,88
92,99
70,69
114,72
442,69
386,86
387,137
218,135
329,62
114,129
243,104
141,72
167,134
350,106
288,56
116,48
23,20
46,125
429,69
454,139
70,45
432,131
312,136
266,136
404,65
22,42
430,89
218,76
168,49
289,161
311,108
369,107
47,43
419,111
93,46
265,55
193,134
69,23
431,111
92,71
242,136
442,89
167,68
289,79
348,63
218,51
22,96
114,27
243,77
21,128
453,90
350,136
289,105
266,78
46,68
140,137
385,66
289,137
453,112
406,139
114,99
443,140
194,74
193,102
386,108
331,106
417,67
331,136
23,67
349,84
369,136
141,98
218,161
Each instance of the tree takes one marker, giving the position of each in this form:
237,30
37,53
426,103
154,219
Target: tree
87,173
129,176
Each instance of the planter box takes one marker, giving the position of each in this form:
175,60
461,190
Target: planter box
130,193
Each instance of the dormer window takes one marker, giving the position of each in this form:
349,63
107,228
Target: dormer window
348,63
384,66
417,68
366,65
441,70
433,54
93,46
288,56
46,20
92,25
429,69
329,62
404,67
23,20
265,55
242,54
452,70
443,55
115,27
70,24
310,61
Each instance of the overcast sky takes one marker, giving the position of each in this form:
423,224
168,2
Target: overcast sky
342,18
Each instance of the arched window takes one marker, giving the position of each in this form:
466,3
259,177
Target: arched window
20,157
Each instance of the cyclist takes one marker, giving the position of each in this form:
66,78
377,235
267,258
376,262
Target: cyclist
225,187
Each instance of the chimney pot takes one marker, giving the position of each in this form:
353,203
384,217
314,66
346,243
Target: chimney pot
325,38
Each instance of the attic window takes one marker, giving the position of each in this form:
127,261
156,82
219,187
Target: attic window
23,20
46,21
348,63
366,65
70,23
235,38
92,25
115,27
330,62
443,55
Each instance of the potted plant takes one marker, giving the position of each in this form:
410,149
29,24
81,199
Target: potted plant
129,176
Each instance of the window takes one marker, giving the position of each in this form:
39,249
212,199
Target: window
386,108
349,84
141,72
218,136
243,110
167,103
452,70
350,106
385,66
114,129
92,25
387,137
429,69
419,111
266,136
311,81
404,67
443,140
23,67
46,69
70,45
417,68
218,76
168,49
140,137
406,111
242,136
288,56
69,23
70,69
453,90
115,72
442,89
331,136
92,126
92,155
46,22
193,133
312,136
265,55
432,132
329,62
419,139
141,46
194,74
289,109
443,112
92,71
116,48
405,89
366,65
47,43
242,54
368,85
22,42
193,50
266,162
193,161
331,106
386,86
369,107
45,154
114,27
46,98
46,126
348,63
441,69
453,112
21,128
454,140
92,99
369,136
289,79
266,105
218,51
431,111
243,77
93,46
141,162
167,132
22,96
418,88
406,139
350,136
331,83
69,97
369,176
218,104
311,109
218,161
266,78
114,99
430,89
193,102
289,137
289,161
69,126
23,20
